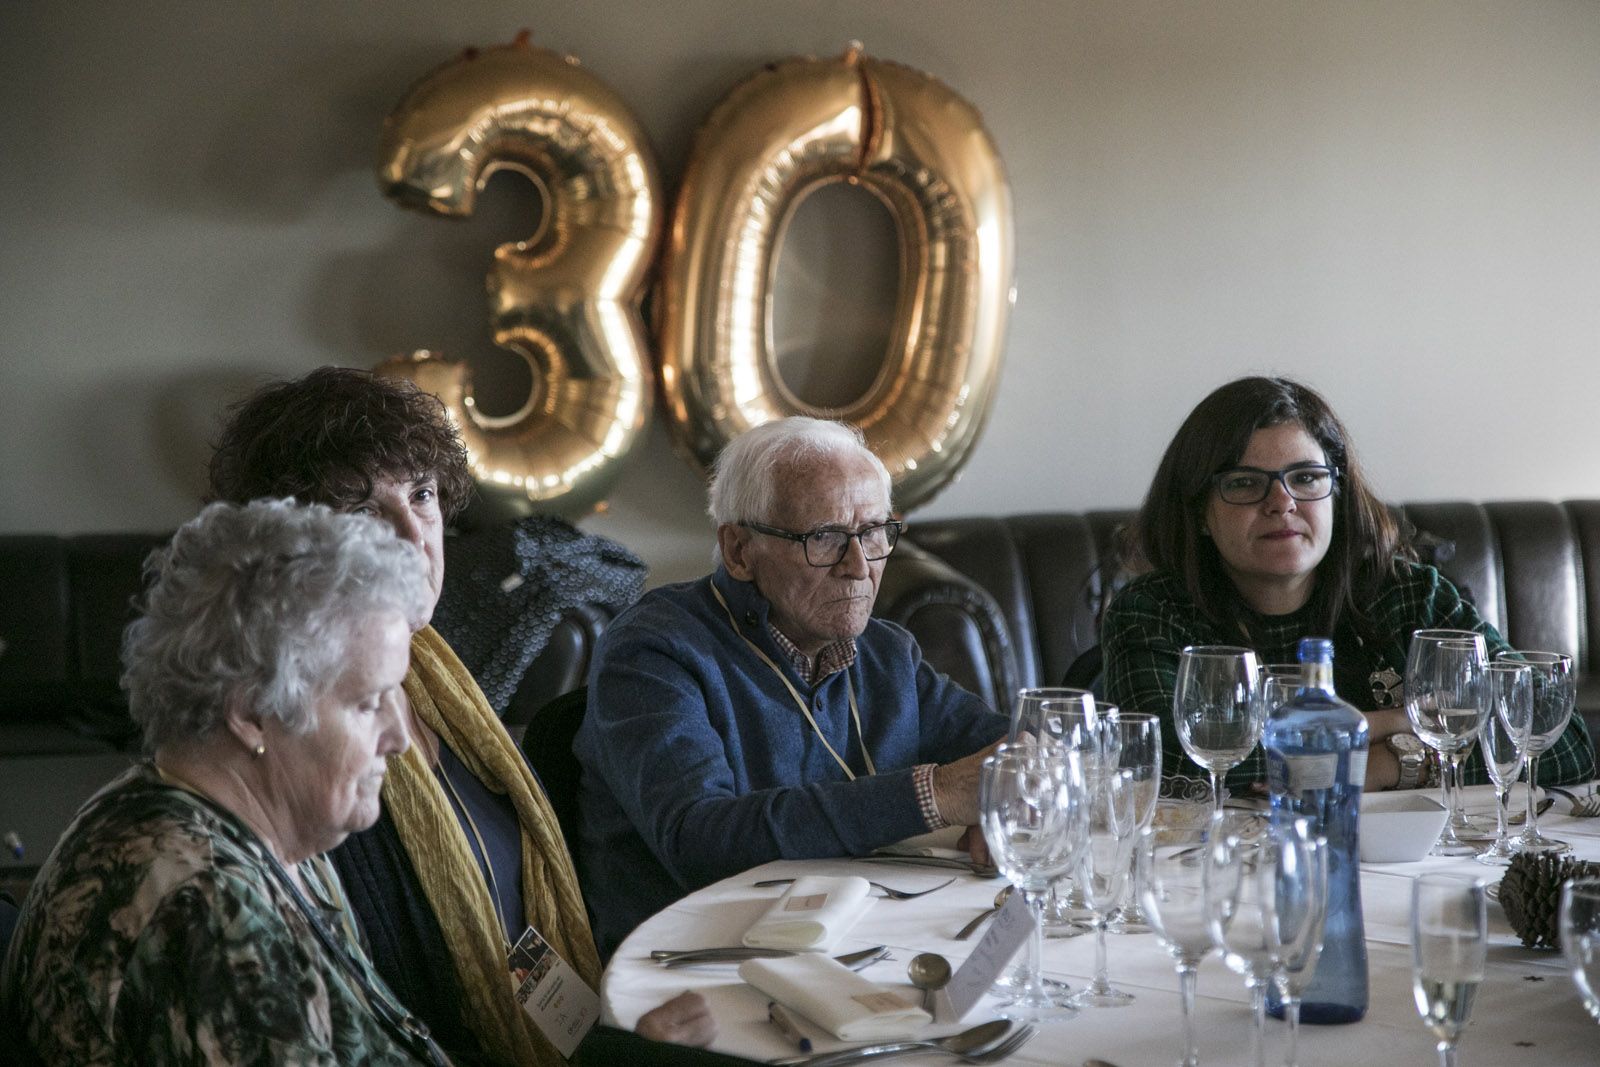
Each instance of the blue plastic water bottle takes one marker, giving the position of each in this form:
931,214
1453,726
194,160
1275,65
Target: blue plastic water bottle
1316,748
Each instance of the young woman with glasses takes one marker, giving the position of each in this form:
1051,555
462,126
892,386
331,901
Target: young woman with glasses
1259,529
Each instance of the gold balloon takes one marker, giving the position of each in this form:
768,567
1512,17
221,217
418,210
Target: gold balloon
566,298
923,151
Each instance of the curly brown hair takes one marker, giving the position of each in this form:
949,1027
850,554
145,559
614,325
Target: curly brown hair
324,437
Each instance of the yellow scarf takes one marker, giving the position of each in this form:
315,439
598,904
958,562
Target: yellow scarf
446,698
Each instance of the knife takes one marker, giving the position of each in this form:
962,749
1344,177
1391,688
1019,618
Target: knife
947,862
738,953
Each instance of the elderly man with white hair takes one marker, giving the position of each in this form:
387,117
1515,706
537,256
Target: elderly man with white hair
761,712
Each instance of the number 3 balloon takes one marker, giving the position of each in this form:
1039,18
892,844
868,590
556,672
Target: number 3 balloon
566,298
923,151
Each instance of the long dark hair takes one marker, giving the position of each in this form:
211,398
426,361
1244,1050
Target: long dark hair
1168,531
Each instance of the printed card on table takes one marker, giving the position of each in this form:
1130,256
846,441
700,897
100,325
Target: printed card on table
559,1002
1010,929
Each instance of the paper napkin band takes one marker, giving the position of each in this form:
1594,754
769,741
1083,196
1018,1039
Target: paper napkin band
835,998
814,914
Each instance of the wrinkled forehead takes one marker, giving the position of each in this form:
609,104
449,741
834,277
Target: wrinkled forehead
844,490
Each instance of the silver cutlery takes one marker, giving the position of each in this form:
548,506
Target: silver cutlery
949,863
1583,807
892,894
929,972
982,1039
692,957
983,917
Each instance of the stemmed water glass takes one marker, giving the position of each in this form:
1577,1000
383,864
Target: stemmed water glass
1303,947
1554,694
1504,743
1447,699
1449,946
1140,757
1045,713
1215,708
1032,804
1279,681
1103,870
1579,924
1258,905
1172,893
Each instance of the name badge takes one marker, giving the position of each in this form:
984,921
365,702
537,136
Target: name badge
560,1003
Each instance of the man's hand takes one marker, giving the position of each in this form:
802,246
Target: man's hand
973,842
955,788
683,1020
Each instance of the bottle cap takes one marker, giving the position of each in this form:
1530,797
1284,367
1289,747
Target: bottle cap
1315,649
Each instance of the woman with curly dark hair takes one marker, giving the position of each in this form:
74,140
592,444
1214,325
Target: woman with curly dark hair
467,853
1259,529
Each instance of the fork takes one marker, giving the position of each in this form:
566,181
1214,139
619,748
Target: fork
892,894
1583,807
993,1054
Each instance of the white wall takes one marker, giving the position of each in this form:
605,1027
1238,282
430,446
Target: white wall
1395,200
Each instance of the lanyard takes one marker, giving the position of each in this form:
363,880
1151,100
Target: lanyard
411,1031
805,709
483,850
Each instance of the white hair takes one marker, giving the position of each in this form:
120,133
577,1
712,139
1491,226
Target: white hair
744,479
259,602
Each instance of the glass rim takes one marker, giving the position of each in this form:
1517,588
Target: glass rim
1533,656
1215,651
1457,878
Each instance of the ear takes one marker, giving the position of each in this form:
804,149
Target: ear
734,543
243,723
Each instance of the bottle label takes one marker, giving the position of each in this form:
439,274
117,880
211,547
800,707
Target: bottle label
1358,767
1318,771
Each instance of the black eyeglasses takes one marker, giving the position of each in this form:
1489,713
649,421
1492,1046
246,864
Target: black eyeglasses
1250,485
826,547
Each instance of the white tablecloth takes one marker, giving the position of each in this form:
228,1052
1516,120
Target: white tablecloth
1527,1011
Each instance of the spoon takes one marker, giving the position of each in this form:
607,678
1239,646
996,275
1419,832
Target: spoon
979,1037
972,927
929,972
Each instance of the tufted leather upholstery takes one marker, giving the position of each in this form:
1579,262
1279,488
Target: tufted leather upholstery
999,603
64,602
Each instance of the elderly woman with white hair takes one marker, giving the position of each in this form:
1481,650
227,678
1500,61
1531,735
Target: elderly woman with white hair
188,915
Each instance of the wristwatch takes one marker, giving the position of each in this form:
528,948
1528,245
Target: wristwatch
1409,750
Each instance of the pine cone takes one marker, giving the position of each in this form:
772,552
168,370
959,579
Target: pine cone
1530,894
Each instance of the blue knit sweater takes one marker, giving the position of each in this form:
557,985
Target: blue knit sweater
697,764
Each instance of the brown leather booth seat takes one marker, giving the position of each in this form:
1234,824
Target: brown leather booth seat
64,602
1000,603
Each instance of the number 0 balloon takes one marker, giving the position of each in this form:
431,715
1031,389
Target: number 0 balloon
923,151
565,298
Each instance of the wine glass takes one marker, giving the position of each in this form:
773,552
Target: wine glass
1257,903
1580,938
1554,694
1215,708
1140,756
1032,805
1298,962
1072,721
1104,870
1447,699
1048,712
1449,946
1279,682
1172,894
1504,743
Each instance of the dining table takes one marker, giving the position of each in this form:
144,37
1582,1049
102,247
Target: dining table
1527,1011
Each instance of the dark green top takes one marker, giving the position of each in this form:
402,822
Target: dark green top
159,932
1153,618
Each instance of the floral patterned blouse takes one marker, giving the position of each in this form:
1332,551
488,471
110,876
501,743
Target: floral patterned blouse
159,931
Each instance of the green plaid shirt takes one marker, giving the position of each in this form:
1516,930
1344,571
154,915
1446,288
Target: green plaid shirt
1153,618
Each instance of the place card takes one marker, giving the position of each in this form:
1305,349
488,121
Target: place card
1008,932
558,1001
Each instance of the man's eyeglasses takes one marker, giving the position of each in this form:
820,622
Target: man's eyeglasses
826,547
1250,485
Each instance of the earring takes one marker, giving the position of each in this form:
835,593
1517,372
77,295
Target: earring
259,751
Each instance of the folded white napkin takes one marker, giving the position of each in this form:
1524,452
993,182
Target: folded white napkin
813,914
835,998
